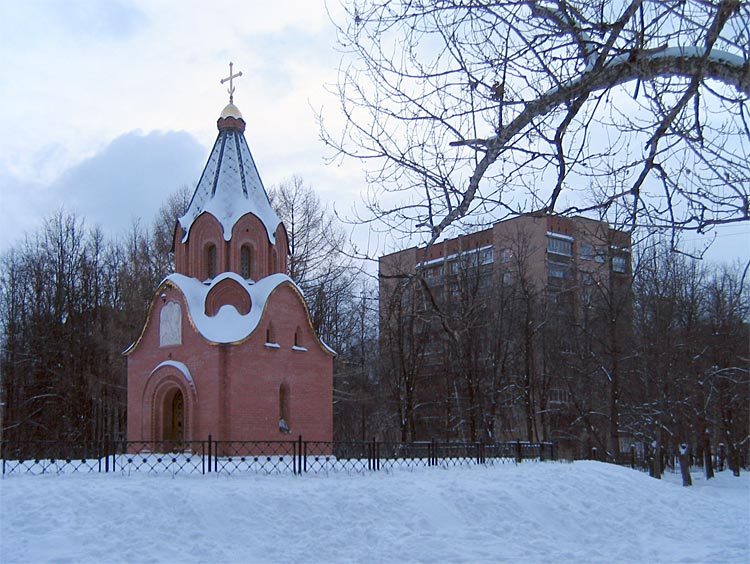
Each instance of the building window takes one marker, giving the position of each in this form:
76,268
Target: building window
559,245
270,334
454,267
435,272
486,256
587,298
484,281
506,255
558,270
211,260
246,257
587,251
619,264
587,279
284,409
562,397
507,278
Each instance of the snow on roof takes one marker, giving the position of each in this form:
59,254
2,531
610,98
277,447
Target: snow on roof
230,187
560,236
454,256
229,325
179,366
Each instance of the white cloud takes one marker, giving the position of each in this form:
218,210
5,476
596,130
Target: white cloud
82,76
129,179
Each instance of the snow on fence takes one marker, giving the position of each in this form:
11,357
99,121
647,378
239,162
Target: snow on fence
264,457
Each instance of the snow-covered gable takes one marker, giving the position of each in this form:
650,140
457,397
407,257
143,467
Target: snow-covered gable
230,187
229,325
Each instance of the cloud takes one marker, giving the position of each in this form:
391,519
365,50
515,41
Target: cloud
131,178
128,179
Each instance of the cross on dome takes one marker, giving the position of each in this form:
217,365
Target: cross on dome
231,85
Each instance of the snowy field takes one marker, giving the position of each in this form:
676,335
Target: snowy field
543,512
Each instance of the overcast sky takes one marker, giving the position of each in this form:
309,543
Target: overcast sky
109,106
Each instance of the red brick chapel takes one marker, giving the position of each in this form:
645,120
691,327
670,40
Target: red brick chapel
228,348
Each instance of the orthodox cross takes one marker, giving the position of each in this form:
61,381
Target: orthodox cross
231,86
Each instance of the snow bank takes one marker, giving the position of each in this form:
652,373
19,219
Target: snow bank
546,512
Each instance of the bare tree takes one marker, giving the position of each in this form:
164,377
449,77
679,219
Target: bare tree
71,302
337,295
691,324
315,239
728,297
164,226
405,338
489,109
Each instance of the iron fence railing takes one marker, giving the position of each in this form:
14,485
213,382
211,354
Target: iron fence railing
266,457
666,459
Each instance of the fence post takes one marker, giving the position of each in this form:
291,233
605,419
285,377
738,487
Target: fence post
519,457
299,454
371,464
295,459
377,455
216,456
209,453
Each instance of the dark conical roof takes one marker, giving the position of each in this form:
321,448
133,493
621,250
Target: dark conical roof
230,185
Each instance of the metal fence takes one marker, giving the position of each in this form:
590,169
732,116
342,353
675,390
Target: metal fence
260,457
649,460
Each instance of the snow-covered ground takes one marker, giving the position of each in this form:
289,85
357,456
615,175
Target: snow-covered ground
534,512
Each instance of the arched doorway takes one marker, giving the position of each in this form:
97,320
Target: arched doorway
169,405
174,416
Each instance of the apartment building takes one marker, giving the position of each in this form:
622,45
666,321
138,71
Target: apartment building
496,334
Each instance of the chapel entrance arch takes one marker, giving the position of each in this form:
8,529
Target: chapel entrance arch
169,406
173,411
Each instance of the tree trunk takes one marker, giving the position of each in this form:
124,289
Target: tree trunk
708,463
656,465
685,465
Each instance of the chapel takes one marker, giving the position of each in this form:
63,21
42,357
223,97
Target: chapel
228,348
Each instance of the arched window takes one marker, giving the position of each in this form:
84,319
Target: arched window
246,261
284,420
211,260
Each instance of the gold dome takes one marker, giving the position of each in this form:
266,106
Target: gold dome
231,111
